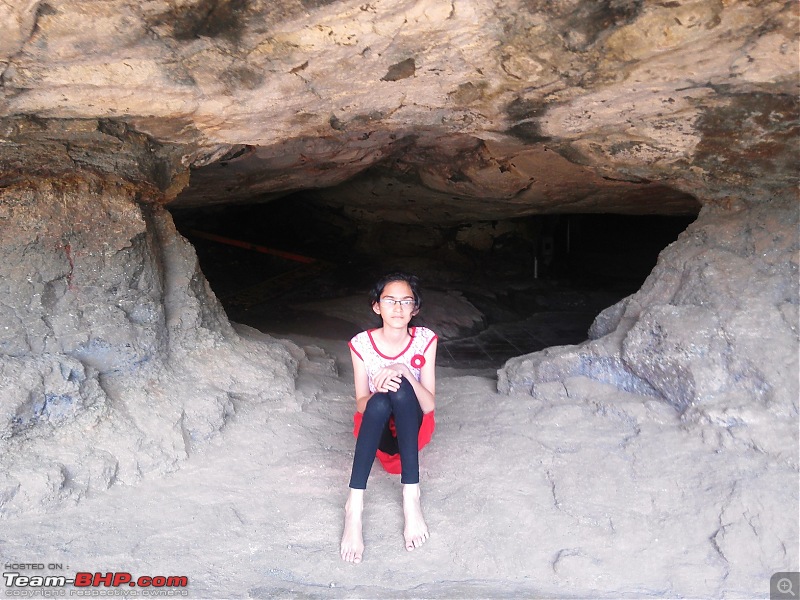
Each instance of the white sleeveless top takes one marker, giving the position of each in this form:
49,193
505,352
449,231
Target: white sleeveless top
363,345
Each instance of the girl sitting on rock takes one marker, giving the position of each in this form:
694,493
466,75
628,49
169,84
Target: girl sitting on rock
395,388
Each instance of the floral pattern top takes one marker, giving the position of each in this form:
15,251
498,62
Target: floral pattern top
413,356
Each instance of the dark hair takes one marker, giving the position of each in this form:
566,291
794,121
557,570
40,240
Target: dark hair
411,280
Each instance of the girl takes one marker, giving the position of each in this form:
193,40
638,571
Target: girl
395,388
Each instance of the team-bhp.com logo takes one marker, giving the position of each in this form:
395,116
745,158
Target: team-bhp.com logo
25,585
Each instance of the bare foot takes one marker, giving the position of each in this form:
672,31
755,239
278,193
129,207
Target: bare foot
352,547
416,531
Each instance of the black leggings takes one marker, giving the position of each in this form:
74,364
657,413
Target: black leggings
375,434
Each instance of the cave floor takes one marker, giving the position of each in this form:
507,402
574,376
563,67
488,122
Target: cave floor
555,498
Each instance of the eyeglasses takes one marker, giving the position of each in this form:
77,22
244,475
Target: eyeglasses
404,303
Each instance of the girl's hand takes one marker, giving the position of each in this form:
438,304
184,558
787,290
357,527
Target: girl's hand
387,379
402,369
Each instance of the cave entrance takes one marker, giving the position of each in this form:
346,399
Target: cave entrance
297,268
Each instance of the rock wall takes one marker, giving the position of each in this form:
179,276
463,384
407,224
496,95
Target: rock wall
108,331
510,107
713,331
447,111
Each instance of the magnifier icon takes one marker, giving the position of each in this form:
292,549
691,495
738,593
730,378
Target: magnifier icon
785,586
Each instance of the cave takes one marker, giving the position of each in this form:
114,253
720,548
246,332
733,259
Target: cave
527,283
599,197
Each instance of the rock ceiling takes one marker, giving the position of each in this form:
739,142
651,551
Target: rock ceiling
406,110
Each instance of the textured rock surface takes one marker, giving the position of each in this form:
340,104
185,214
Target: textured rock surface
108,328
116,358
713,331
643,101
577,485
669,441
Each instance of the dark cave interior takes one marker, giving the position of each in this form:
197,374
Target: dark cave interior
538,281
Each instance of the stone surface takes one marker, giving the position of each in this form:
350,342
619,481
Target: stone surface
713,331
510,108
578,484
117,361
108,328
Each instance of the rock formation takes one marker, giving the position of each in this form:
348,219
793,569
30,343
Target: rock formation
108,330
394,111
688,336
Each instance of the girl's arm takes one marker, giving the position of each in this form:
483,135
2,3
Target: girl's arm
362,382
425,388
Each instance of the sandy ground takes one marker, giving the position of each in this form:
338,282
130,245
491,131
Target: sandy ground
593,494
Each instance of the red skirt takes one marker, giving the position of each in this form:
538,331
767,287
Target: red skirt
391,462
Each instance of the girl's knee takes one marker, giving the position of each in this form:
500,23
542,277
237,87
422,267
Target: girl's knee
378,407
405,392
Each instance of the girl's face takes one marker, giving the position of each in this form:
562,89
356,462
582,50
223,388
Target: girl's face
396,306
